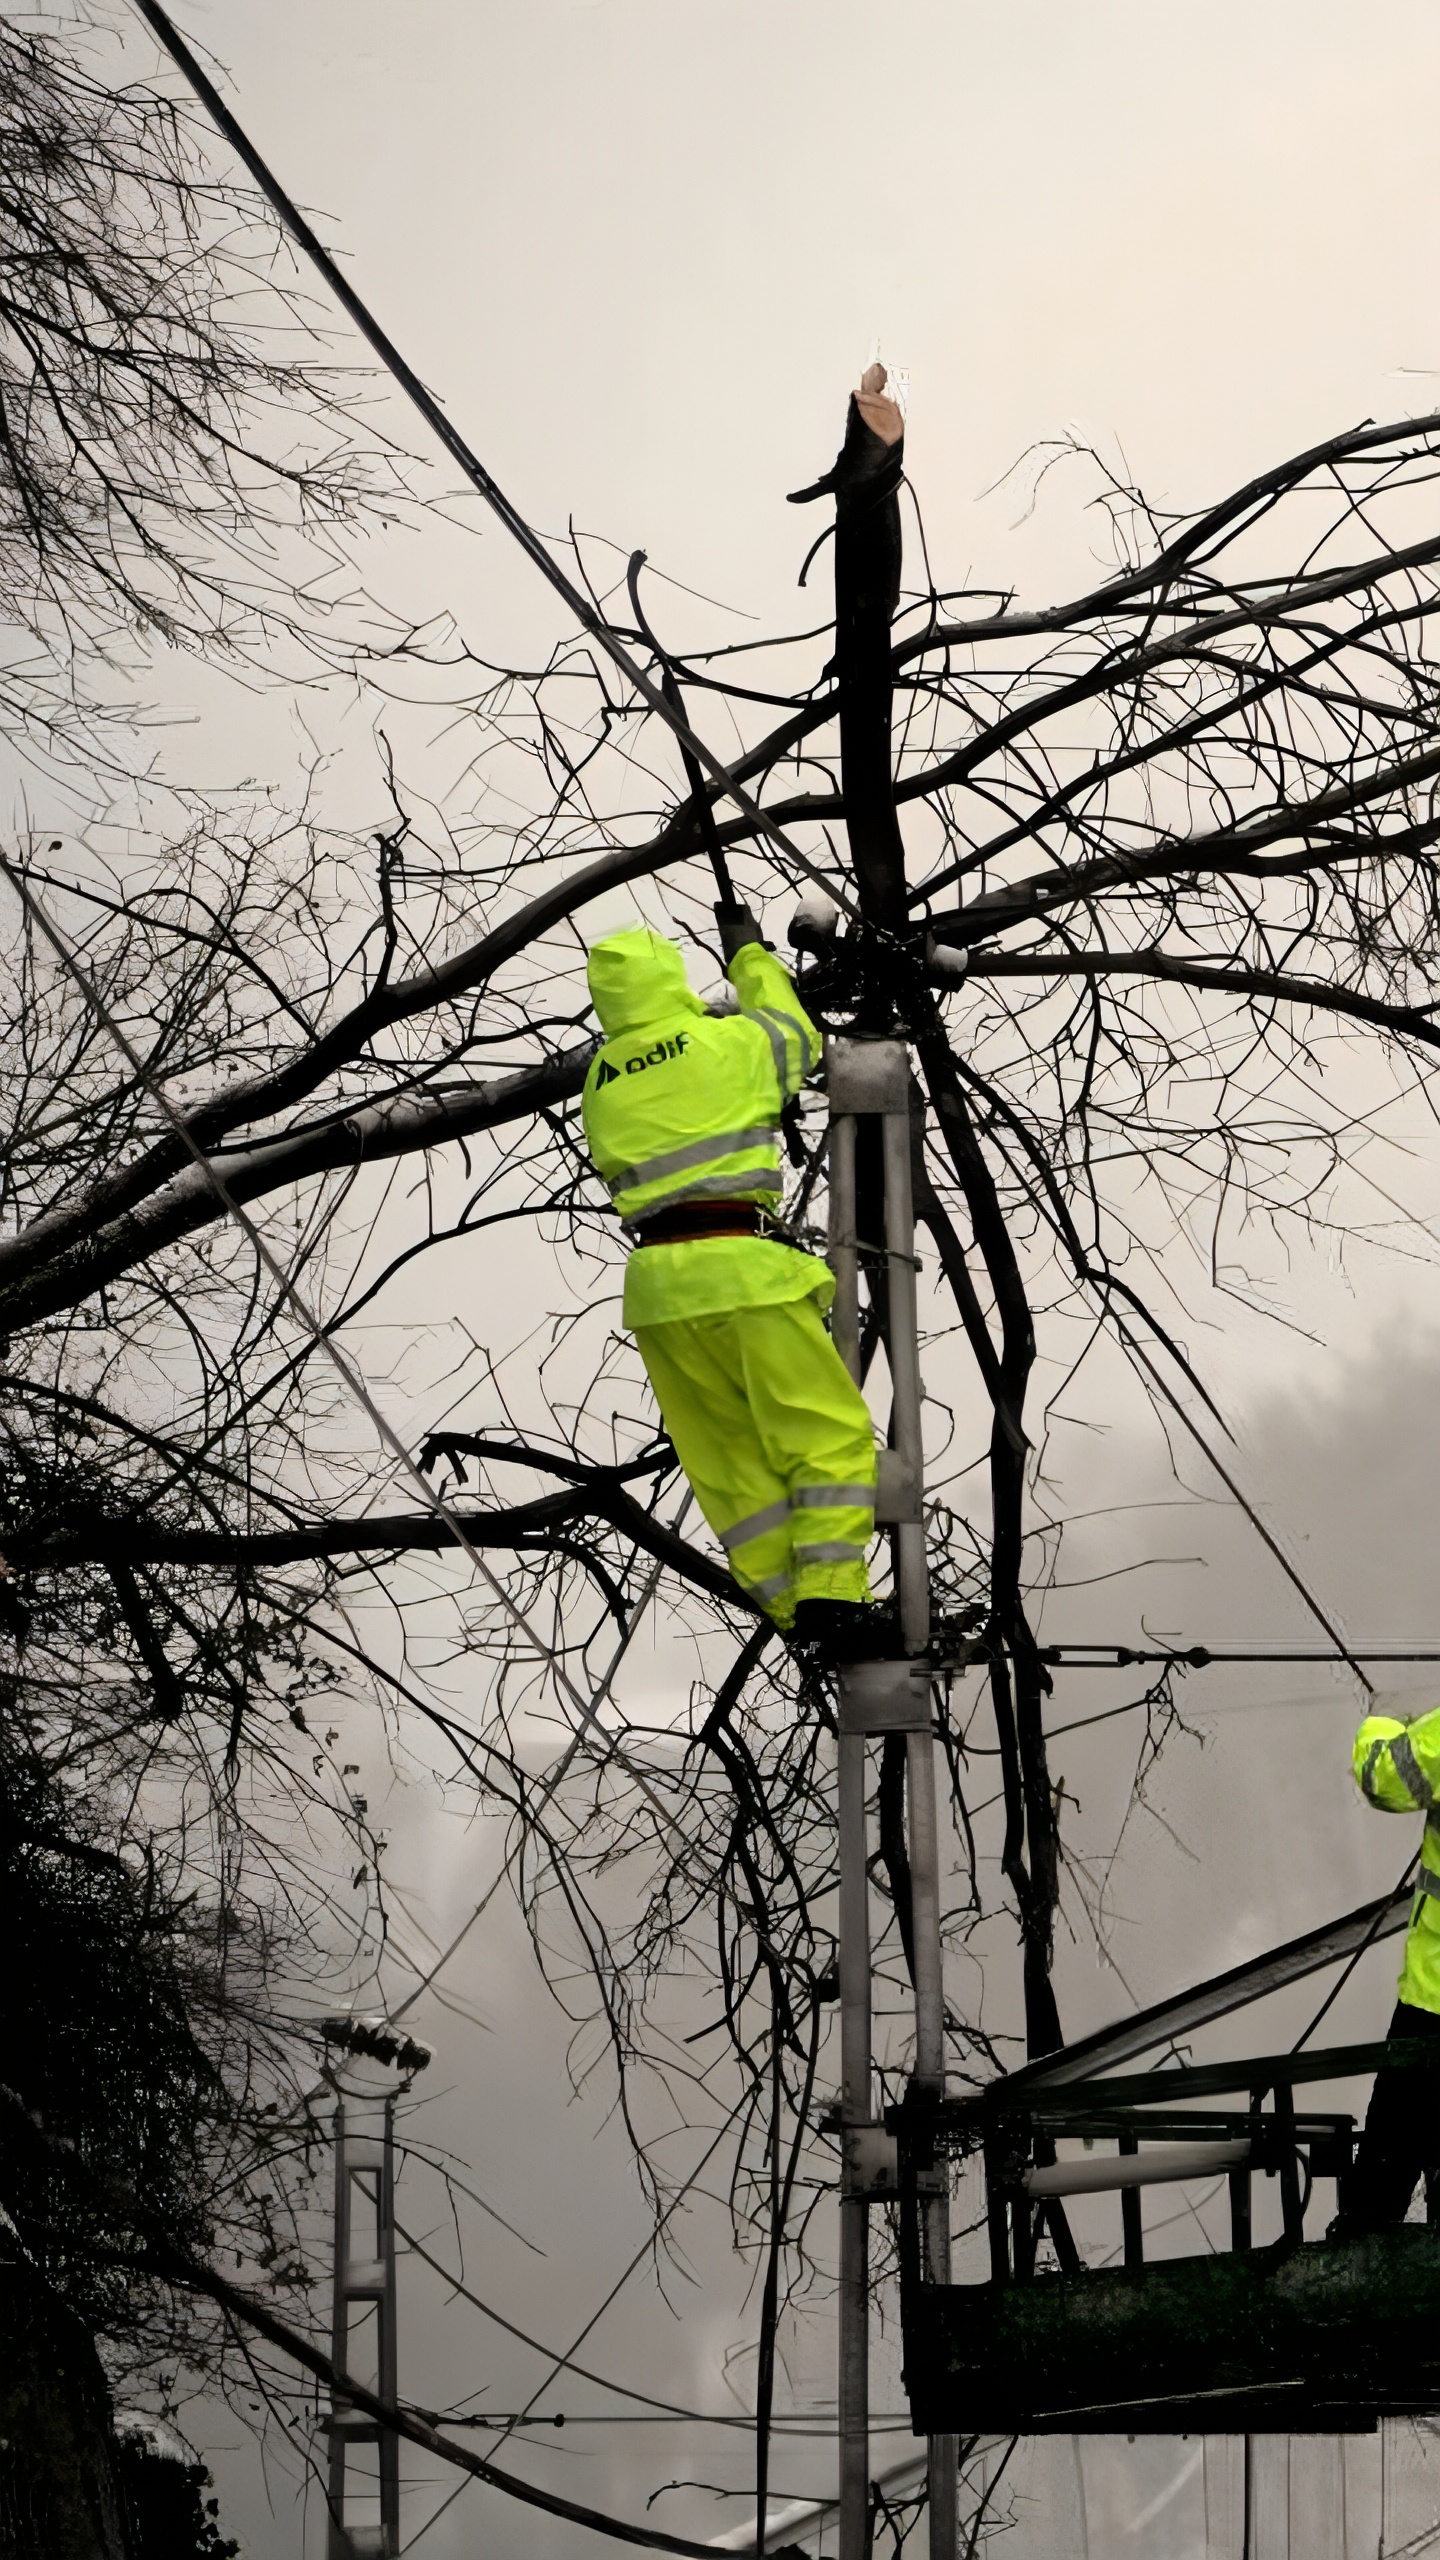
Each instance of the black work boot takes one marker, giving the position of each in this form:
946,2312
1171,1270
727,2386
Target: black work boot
833,1632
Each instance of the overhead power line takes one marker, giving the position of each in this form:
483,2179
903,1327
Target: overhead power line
663,702
1081,1656
160,2254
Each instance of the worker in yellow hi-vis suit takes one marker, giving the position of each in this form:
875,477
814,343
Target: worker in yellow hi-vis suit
682,1117
1397,1768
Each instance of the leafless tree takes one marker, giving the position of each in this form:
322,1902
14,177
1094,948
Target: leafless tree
1181,828
179,455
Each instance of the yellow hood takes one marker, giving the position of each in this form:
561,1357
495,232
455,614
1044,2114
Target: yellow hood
638,977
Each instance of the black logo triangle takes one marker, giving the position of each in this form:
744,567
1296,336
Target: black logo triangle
608,1074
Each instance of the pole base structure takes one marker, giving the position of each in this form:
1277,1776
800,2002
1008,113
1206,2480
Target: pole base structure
855,2104
871,1079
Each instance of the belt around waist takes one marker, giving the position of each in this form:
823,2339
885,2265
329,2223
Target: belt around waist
696,1219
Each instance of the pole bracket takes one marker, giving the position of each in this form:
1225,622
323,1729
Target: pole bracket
870,2161
897,1490
863,1076
885,1697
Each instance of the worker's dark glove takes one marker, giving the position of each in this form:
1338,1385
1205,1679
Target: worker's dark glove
737,926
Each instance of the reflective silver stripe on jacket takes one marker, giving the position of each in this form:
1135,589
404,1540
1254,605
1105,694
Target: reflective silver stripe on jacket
845,1551
789,1027
729,1142
1367,1774
790,1022
712,1186
1410,1770
834,1497
776,1038
1428,1882
755,1524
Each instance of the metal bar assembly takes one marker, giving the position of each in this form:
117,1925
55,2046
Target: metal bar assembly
870,1079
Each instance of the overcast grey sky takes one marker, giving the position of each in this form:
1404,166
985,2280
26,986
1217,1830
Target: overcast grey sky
641,247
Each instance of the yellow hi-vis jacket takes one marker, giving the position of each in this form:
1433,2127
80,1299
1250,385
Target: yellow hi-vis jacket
684,1105
1397,1767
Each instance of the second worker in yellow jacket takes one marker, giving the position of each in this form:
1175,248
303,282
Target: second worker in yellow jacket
1397,1768
682,1118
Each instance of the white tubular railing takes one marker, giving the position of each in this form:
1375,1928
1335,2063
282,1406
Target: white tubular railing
1165,2167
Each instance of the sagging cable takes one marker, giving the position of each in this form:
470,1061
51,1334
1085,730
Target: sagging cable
460,452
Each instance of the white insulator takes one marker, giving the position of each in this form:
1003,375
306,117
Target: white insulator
816,919
947,961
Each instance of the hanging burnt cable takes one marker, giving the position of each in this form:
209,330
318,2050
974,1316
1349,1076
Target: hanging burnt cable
460,452
669,685
310,1323
1382,1913
1051,1205
1137,1353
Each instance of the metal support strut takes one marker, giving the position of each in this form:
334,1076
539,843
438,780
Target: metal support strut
871,1078
363,2325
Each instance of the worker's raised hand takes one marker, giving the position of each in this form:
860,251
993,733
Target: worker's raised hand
880,413
736,926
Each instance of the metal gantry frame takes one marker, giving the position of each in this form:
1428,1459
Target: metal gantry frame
1300,2336
364,2280
871,1079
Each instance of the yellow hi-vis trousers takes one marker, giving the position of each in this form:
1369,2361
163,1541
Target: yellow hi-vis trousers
777,1443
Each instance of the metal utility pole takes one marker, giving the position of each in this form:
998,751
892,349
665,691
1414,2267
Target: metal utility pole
870,1080
364,2284
363,2338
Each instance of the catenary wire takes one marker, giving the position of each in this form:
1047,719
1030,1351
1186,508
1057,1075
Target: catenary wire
566,2362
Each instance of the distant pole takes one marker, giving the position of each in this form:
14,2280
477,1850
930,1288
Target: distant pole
363,2331
364,2281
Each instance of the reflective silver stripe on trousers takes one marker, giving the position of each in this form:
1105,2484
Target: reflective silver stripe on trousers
770,1589
834,1497
1367,1774
844,1551
728,1142
1410,1770
774,1516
